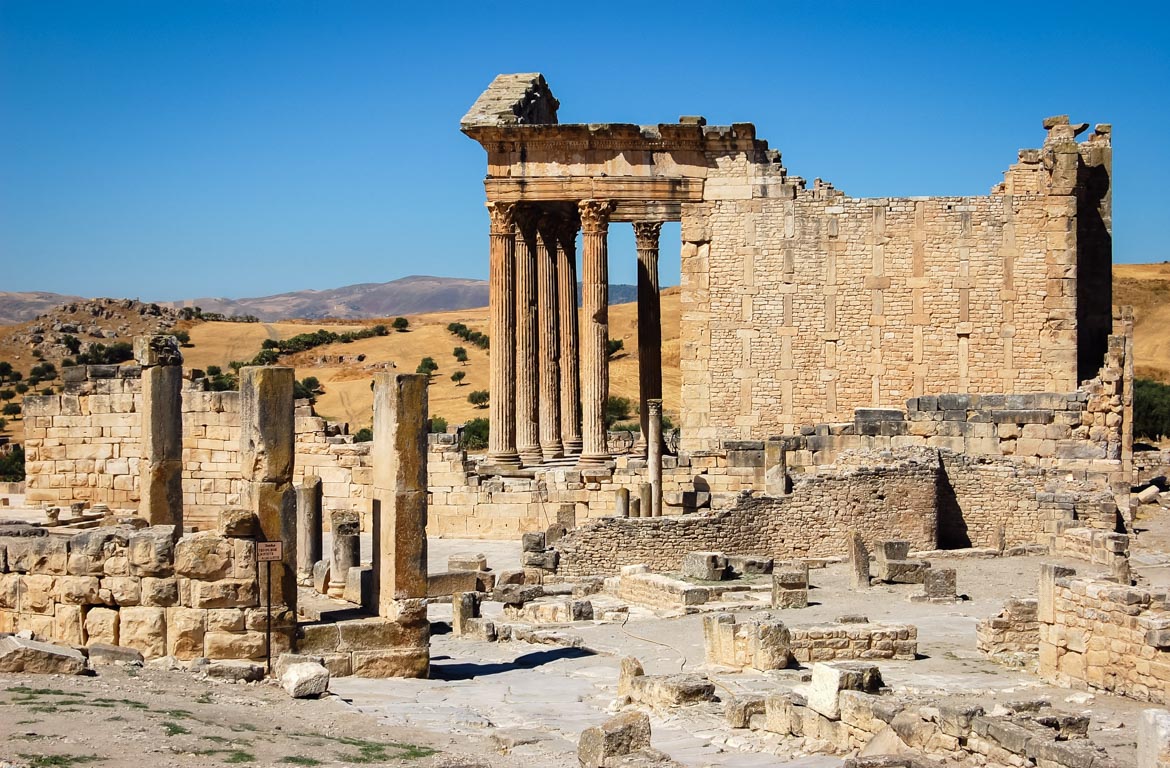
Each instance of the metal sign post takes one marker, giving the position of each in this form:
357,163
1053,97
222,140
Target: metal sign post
269,552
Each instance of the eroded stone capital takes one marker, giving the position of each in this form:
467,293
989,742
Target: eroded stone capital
595,216
503,218
646,234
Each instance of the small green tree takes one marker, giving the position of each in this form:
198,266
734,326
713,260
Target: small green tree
7,394
5,370
438,425
400,324
183,337
458,377
21,388
475,434
460,354
72,343
613,346
363,435
3,424
617,409
427,365
12,465
47,391
11,409
312,384
479,398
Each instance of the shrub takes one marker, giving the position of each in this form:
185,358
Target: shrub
613,346
21,388
5,370
460,354
427,365
438,424
12,465
458,377
363,435
72,343
11,409
479,398
183,337
400,324
475,434
47,391
617,409
1151,409
7,394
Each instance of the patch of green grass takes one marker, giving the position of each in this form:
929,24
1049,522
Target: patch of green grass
178,713
103,702
114,718
59,761
26,722
27,737
204,698
240,756
299,760
173,729
377,752
43,691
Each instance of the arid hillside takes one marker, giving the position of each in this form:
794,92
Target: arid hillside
1146,287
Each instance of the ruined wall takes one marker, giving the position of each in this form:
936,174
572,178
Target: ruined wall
211,456
868,302
1099,634
140,589
892,497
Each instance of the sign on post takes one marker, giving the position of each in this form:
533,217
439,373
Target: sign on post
269,551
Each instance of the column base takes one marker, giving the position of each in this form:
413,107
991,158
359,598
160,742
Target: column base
509,459
531,456
552,451
573,447
594,460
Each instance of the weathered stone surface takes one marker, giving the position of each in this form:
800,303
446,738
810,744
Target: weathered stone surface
621,735
359,586
707,566
234,522
206,556
32,657
159,592
101,653
406,662
761,645
234,645
41,555
858,561
101,626
1153,750
828,680
225,593
790,584
741,708
237,671
151,551
321,576
305,680
78,590
144,629
517,594
186,628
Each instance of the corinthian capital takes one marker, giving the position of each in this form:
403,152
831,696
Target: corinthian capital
646,234
595,215
503,218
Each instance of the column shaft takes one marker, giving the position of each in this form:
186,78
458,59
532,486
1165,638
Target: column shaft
527,363
308,527
548,340
654,455
649,322
161,480
570,362
502,358
595,330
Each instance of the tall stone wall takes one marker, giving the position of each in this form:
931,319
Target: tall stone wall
211,455
881,497
869,302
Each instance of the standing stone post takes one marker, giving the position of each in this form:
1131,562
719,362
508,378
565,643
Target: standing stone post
527,362
309,495
654,455
399,575
567,305
502,358
548,338
635,507
161,481
595,330
345,529
645,494
858,562
621,502
649,323
266,465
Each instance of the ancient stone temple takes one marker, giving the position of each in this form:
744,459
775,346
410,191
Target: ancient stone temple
799,304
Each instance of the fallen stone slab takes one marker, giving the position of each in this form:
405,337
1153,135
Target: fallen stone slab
30,656
618,736
235,671
104,653
305,680
1149,494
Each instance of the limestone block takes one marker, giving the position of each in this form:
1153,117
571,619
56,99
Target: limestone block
892,550
89,550
266,420
380,634
305,680
9,591
790,585
123,590
144,629
859,577
225,593
36,594
234,522
78,590
321,576
619,736
901,571
533,542
359,586
18,655
43,554
829,679
741,708
781,715
151,551
206,556
1153,737
101,626
161,592
405,662
940,583
186,628
467,561
748,565
706,566
235,645
69,625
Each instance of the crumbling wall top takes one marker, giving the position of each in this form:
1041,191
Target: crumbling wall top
518,99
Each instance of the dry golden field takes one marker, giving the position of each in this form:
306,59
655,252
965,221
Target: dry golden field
1146,287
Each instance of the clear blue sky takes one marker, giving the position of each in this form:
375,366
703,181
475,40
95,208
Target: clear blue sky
239,148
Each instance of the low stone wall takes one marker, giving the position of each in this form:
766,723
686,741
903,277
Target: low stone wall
893,496
1098,634
836,642
637,585
139,588
1014,630
1093,546
1149,466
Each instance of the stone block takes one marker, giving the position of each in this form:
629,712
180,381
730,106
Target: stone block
205,556
741,708
467,561
101,626
305,680
235,645
892,550
235,522
617,737
186,628
144,629
940,583
359,586
151,551
101,654
828,680
706,566
901,571
1153,739
18,655
321,576
403,662
226,593
533,541
748,565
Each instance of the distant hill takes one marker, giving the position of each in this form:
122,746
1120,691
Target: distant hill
406,296
17,307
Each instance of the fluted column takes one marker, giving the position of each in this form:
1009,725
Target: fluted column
527,363
548,340
502,358
594,329
649,323
570,363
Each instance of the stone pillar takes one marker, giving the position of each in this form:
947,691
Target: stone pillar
527,363
266,466
308,527
548,338
649,322
502,357
345,529
621,502
653,411
161,479
399,456
645,495
595,330
858,562
570,364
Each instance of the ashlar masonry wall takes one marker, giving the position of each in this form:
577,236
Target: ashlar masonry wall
799,305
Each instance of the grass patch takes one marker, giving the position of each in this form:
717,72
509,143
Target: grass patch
27,722
378,752
178,714
299,760
204,698
230,755
59,761
173,729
